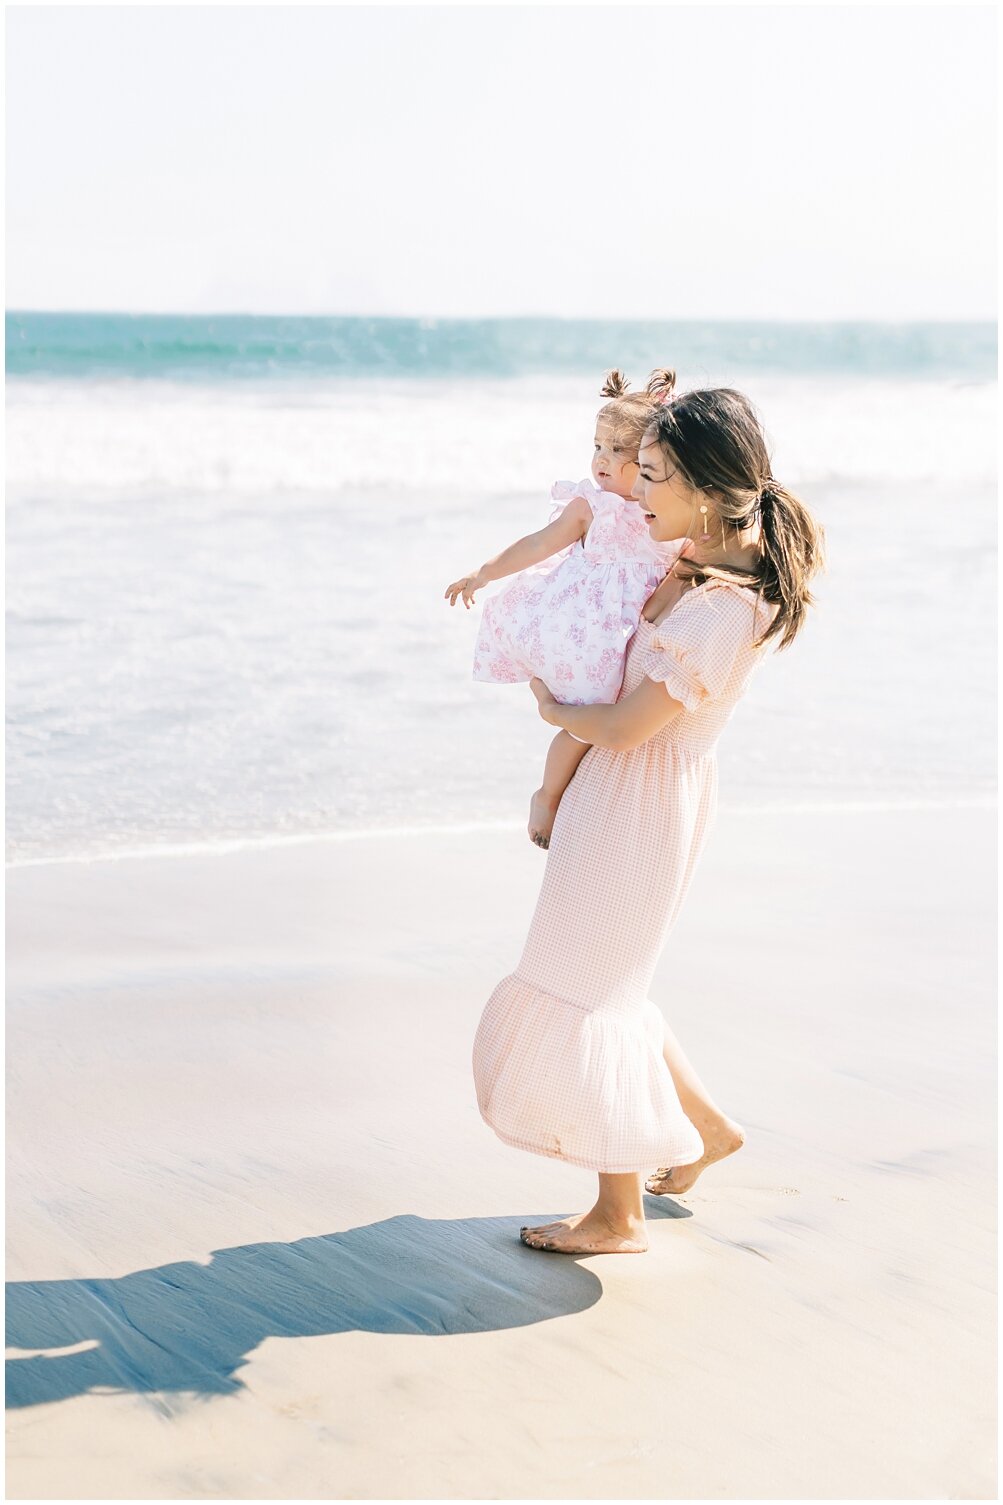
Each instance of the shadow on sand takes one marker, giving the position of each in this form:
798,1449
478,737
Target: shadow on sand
189,1327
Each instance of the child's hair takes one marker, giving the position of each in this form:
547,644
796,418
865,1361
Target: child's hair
629,414
715,440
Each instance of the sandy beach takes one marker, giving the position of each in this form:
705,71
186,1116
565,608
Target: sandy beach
261,1244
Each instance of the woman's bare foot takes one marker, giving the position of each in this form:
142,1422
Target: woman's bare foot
588,1233
719,1140
542,810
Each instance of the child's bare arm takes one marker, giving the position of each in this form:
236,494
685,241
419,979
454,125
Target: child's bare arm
572,525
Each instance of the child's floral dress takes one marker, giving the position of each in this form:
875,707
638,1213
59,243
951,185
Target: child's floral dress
568,620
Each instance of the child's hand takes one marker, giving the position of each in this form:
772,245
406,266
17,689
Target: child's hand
464,587
543,697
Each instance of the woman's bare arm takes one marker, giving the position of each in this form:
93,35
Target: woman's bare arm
572,526
628,723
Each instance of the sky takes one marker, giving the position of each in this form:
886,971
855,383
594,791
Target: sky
672,161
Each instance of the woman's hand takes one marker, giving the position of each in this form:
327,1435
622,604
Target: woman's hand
465,587
544,700
624,725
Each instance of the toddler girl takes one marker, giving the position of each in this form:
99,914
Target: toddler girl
570,612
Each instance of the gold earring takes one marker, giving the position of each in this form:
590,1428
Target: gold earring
705,535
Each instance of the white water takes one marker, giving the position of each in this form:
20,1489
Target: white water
226,620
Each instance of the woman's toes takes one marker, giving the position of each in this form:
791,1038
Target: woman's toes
542,1235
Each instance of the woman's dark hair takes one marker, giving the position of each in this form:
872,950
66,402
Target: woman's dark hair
715,439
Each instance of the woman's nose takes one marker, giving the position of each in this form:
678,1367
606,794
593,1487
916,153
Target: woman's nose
635,490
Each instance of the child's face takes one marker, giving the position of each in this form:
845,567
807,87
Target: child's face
614,464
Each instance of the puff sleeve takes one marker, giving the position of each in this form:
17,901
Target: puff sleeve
706,639
563,491
599,501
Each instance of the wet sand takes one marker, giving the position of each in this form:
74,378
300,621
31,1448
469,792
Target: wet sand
263,1246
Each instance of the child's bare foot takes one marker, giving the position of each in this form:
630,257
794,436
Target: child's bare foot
720,1139
587,1233
542,810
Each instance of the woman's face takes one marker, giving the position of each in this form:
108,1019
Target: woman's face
668,501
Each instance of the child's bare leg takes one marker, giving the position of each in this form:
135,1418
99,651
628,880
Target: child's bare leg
565,754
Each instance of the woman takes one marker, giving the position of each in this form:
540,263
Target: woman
571,1059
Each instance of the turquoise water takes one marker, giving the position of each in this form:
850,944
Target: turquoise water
228,542
237,346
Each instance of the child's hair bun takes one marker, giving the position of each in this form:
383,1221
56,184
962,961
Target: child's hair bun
661,384
615,385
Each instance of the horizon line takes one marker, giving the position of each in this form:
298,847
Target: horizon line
690,319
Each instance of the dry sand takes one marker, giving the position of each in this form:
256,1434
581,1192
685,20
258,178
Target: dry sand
264,1247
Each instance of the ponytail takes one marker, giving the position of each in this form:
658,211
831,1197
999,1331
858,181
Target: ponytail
661,384
615,385
793,552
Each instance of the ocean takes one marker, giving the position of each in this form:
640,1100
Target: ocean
229,537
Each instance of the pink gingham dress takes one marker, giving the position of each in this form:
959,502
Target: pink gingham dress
567,1056
569,619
